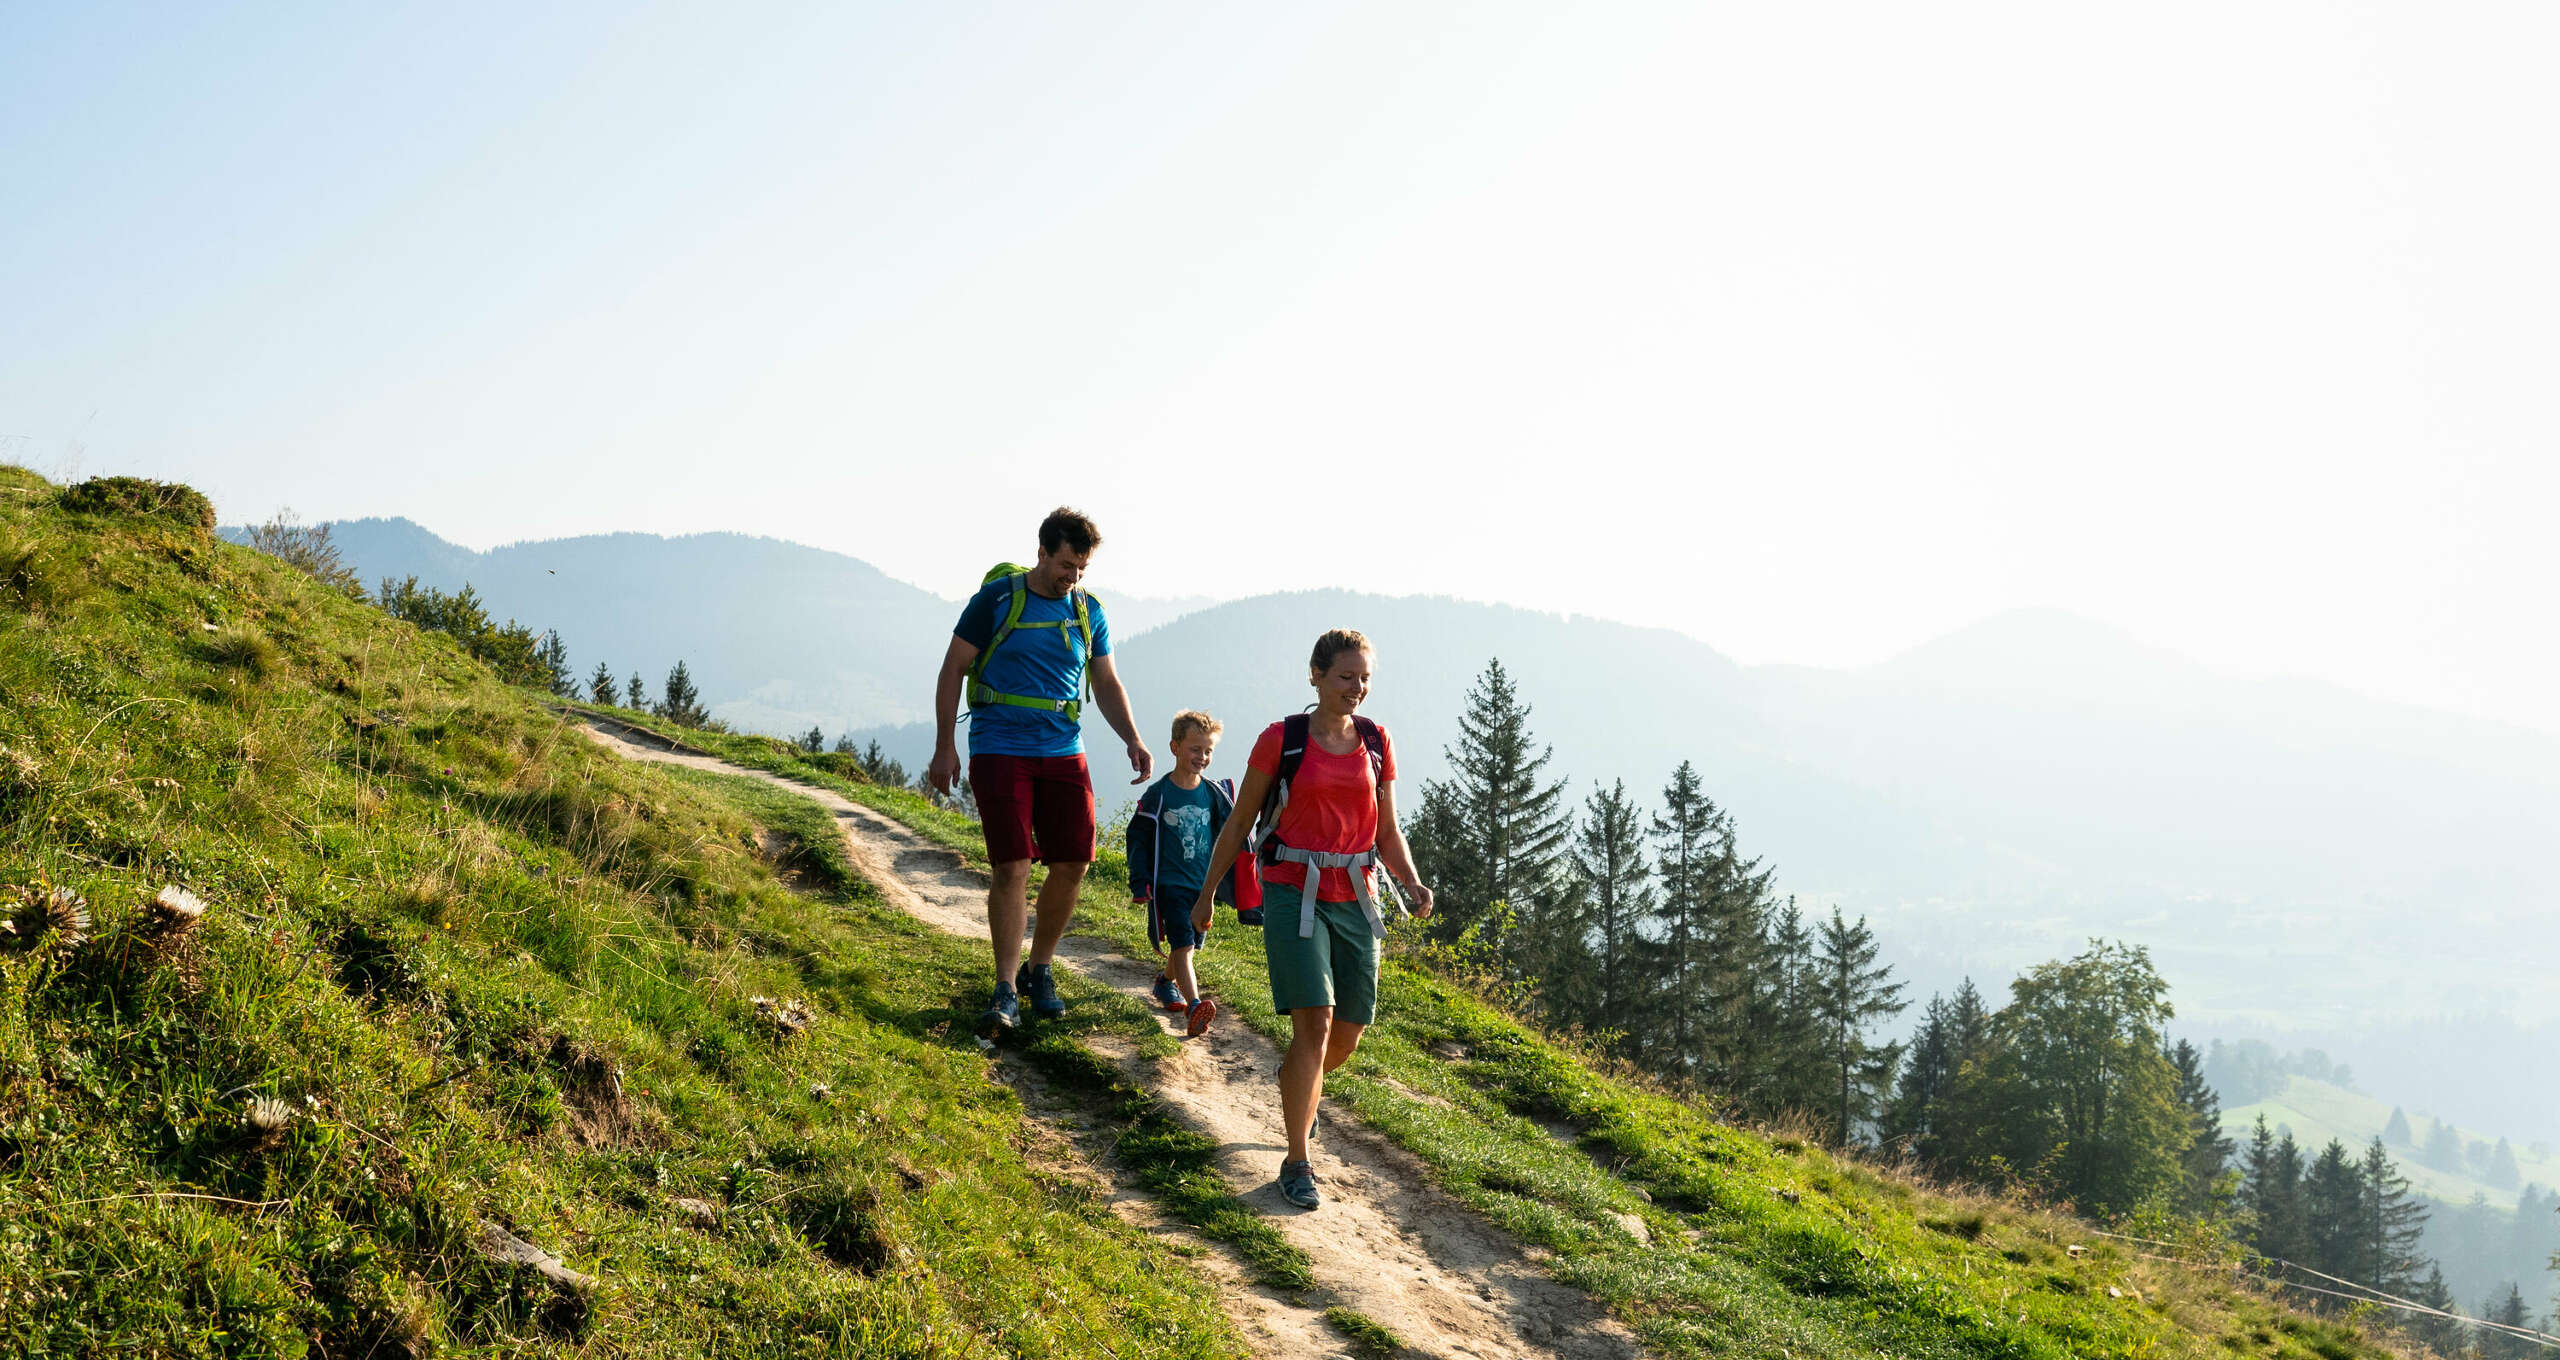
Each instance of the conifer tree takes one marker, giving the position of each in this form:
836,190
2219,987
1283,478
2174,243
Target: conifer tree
1739,975
2397,1133
1616,882
2509,1311
553,657
1510,822
1852,993
2208,1148
813,741
636,694
2444,1336
2333,1213
600,686
1684,857
846,746
2394,1223
1790,1045
1926,1065
2503,1173
682,703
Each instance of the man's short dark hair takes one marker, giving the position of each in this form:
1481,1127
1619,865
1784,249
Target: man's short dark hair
1067,525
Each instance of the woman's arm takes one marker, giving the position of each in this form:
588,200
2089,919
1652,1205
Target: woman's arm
1395,854
1222,856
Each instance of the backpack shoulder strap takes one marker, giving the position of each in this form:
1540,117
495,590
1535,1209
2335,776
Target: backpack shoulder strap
1375,738
1004,626
1293,750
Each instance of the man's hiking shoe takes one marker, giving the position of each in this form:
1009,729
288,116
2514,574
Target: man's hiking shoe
1167,995
1003,1012
1203,1011
1298,1184
1250,916
1035,981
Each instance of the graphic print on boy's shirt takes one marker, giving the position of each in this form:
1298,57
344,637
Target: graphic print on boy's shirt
1183,843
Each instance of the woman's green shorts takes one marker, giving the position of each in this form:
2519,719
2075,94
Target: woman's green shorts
1337,966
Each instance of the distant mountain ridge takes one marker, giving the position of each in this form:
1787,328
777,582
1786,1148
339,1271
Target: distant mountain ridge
2296,856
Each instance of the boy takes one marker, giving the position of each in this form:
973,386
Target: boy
1177,820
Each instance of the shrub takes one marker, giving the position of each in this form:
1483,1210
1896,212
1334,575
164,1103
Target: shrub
142,498
306,546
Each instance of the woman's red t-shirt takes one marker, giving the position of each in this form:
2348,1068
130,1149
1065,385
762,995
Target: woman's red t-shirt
1333,807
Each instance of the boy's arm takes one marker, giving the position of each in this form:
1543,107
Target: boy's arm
1142,852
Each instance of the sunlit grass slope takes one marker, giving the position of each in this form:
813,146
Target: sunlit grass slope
460,971
2318,1111
1707,1239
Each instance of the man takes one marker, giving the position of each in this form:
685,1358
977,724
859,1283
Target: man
1042,638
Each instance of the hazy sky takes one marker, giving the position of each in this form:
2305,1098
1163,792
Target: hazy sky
1813,330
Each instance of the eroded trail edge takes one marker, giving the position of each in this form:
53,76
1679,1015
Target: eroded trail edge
1387,1242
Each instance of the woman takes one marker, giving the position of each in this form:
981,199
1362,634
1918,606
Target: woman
1327,782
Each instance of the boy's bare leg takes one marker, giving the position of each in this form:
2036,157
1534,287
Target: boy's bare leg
1057,907
1005,915
1178,968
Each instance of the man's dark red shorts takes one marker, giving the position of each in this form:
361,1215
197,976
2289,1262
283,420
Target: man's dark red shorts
1034,807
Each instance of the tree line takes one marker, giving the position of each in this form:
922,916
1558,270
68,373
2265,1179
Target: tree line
1652,933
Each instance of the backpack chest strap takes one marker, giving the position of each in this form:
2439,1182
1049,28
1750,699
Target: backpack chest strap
1317,861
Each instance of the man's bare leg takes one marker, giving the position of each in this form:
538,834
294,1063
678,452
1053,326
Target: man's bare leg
1006,914
1057,907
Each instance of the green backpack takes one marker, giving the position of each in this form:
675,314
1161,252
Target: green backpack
981,693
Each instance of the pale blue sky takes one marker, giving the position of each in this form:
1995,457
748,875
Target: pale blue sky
1811,330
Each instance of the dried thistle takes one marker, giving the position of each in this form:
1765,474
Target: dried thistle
268,1118
787,1017
64,913
175,912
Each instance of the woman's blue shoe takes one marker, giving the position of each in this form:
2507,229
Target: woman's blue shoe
1298,1184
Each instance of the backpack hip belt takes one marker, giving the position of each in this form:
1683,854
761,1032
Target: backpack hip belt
1317,861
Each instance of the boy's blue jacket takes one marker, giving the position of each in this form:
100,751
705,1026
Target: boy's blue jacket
1240,888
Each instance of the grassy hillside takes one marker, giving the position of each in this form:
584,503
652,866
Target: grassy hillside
458,972
1705,1238
2318,1111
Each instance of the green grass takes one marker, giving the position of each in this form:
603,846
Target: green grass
496,976
1750,1243
2318,1111
1369,1338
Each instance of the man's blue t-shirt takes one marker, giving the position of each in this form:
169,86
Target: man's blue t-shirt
1045,663
1183,840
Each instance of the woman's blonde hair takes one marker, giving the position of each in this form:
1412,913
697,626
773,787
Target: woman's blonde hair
1192,720
1332,645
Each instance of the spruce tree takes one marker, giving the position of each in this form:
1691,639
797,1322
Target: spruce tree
1511,822
846,746
682,703
1788,1038
1616,883
813,741
1739,975
2208,1148
2394,1223
1684,858
2503,1173
1852,993
553,658
1926,1065
2443,1335
600,686
636,694
2333,1211
2397,1133
2509,1311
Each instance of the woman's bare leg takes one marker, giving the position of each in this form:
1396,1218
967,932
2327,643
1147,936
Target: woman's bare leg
1302,1072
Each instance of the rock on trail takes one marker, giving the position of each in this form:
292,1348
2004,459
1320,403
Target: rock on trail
1387,1242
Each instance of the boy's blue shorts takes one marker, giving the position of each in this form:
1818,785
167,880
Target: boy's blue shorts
1173,917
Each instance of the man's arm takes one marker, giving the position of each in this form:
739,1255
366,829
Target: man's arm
944,773
1114,699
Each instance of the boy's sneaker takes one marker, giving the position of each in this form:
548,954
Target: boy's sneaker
1003,1012
1298,1184
1249,916
1167,995
1035,981
1203,1011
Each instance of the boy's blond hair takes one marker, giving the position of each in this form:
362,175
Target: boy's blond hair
1192,720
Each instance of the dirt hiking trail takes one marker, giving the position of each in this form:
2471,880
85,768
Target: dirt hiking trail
1387,1242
